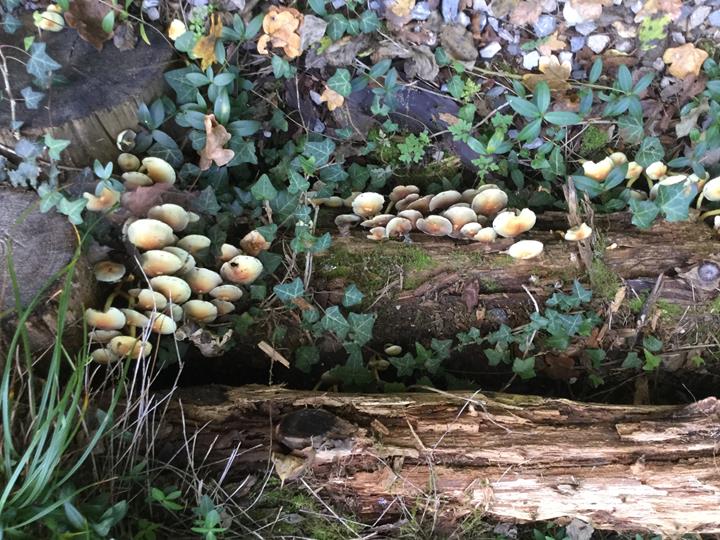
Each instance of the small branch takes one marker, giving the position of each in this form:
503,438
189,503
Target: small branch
8,91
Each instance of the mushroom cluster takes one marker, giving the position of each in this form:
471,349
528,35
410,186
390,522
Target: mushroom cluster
477,215
176,287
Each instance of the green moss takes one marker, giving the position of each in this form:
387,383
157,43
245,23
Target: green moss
605,283
636,304
668,310
593,139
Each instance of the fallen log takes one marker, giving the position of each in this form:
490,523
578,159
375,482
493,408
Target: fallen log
508,457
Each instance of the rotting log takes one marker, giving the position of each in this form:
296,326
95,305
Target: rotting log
100,98
508,457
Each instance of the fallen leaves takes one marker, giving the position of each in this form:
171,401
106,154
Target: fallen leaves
205,47
215,138
552,71
332,98
86,16
402,8
525,13
684,60
280,25
654,7
551,45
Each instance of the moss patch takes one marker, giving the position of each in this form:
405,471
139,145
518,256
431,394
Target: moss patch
593,140
605,283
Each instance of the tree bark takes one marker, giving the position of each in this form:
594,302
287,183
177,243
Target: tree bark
508,457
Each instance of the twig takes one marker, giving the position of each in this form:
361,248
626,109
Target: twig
8,91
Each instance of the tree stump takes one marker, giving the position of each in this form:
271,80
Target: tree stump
99,100
511,458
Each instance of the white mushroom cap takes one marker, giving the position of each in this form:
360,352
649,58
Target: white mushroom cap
469,194
598,171
667,181
368,204
200,310
193,217
112,319
435,225
187,260
135,179
634,171
378,221
202,280
509,225
50,21
332,202
107,199
347,220
525,249
486,234
403,204
444,199
104,356
656,170
459,216
102,336
223,307
618,158
174,311
129,346
228,293
253,243
172,214
711,189
228,251
135,318
162,324
150,234
109,271
148,299
158,262
489,202
469,230
412,215
194,243
400,192
376,233
128,162
421,205
173,288
398,227
159,170
581,232
242,269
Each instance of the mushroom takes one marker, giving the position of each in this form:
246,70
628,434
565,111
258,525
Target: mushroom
469,194
378,221
345,221
711,189
109,271
347,201
194,243
242,269
173,288
509,224
129,346
174,311
135,318
159,262
202,280
223,307
489,202
253,243
228,251
486,235
459,216
435,225
412,215
172,214
398,227
200,310
162,324
525,249
368,204
128,162
421,205
105,201
633,173
618,158
148,299
330,202
150,234
400,192
376,233
125,140
469,230
102,336
50,21
134,179
104,356
578,233
403,204
393,350
110,319
187,260
656,170
159,170
193,217
444,199
228,293
598,171
667,181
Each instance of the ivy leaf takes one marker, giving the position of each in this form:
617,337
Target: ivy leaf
369,21
287,292
651,150
361,326
263,190
456,86
72,209
353,296
206,202
40,65
185,91
644,213
32,98
405,364
55,146
340,82
524,367
282,68
320,150
354,372
674,200
581,292
306,357
337,24
652,361
632,361
652,344
333,321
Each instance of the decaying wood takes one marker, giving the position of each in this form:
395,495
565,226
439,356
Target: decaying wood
511,458
100,98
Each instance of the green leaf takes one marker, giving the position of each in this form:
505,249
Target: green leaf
524,367
354,372
651,150
582,294
282,68
287,292
337,24
263,190
244,128
652,361
353,296
108,22
456,86
369,21
652,344
55,146
244,152
298,183
542,97
361,327
674,200
624,79
31,97
632,361
596,70
40,65
185,92
524,107
319,150
306,356
644,213
563,118
333,321
531,131
405,365
340,82
318,6
206,203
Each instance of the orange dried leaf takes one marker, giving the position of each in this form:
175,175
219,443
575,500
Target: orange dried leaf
526,13
672,8
205,47
551,45
684,60
554,73
280,25
402,8
86,16
332,98
281,18
215,138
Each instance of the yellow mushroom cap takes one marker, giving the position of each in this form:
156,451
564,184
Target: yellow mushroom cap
112,319
581,232
253,243
150,234
598,171
104,356
107,199
460,216
135,318
711,189
435,225
50,21
102,336
525,249
229,293
176,29
162,324
486,234
109,271
618,158
202,280
174,311
158,262
634,171
172,214
470,229
398,227
411,215
200,310
128,162
134,179
194,243
129,346
223,307
187,260
173,288
444,199
509,225
656,170
228,251
489,202
148,299
159,170
378,221
242,269
368,204
376,233
400,192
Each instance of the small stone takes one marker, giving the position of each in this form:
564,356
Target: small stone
421,11
625,45
463,19
513,49
698,16
678,38
598,42
714,18
531,60
545,25
577,43
586,28
572,16
565,57
450,10
548,6
625,31
658,64
636,6
490,50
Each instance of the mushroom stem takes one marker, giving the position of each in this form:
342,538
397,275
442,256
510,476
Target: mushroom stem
699,200
631,182
132,330
710,213
390,206
110,300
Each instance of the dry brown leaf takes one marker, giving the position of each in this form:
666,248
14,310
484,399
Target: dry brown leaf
554,73
281,18
86,17
684,60
215,138
665,7
589,10
402,8
288,467
525,13
551,45
281,25
205,47
332,98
